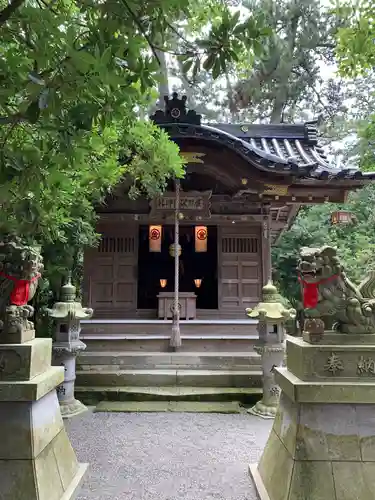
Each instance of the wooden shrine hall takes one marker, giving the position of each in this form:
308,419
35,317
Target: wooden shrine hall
243,186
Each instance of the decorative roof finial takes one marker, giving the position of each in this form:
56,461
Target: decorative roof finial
175,112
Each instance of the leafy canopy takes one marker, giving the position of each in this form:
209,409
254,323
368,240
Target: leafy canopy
73,76
356,57
356,48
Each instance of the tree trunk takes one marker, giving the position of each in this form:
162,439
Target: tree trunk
277,109
232,105
281,96
163,85
188,90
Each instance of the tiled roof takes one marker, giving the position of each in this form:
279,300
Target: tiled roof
282,152
296,144
278,148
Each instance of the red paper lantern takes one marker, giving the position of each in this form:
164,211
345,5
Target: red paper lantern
154,236
201,234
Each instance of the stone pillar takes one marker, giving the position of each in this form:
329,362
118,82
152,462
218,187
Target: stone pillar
322,444
271,316
67,314
37,461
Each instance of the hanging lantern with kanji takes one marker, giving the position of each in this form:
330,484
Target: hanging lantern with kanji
154,238
342,217
201,234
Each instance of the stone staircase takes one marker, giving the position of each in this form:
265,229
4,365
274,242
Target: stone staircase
136,366
129,375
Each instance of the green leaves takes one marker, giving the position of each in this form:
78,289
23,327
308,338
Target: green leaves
356,244
33,112
228,37
356,48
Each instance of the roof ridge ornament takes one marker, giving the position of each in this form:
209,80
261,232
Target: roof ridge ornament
175,111
311,132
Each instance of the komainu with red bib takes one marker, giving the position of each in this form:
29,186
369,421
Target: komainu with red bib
20,268
330,296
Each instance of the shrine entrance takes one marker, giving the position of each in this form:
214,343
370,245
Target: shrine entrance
198,270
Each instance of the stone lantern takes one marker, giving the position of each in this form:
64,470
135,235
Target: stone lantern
67,315
272,316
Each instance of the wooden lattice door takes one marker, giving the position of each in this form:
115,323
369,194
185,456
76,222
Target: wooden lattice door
240,268
111,273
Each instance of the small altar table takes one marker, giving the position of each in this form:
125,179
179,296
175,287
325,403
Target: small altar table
187,303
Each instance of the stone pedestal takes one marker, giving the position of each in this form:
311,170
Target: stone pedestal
272,356
66,357
37,461
322,444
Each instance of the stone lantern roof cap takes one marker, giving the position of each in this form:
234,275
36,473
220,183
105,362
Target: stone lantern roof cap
68,307
271,307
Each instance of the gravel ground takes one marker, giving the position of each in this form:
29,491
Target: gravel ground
168,456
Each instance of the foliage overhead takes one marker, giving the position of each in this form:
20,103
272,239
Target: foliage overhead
286,79
356,48
72,78
355,242
75,77
356,57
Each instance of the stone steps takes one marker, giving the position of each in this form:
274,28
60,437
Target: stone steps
171,377
208,367
168,406
114,361
92,395
160,343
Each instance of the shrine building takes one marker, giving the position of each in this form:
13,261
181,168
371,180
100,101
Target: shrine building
243,187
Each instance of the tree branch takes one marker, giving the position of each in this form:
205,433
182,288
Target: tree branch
139,24
326,45
49,7
10,9
7,120
176,32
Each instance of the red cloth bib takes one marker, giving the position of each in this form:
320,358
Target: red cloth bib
20,291
311,292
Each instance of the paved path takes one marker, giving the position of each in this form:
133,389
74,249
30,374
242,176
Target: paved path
168,456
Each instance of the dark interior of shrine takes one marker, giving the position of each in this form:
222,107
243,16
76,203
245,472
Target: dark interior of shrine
156,266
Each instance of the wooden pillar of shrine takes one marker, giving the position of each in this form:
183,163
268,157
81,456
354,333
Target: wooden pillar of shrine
266,244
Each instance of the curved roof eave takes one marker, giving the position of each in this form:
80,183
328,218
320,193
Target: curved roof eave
270,162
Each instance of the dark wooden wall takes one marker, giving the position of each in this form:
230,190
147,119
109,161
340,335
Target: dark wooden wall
110,278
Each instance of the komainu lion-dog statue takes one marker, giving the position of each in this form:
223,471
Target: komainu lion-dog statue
330,296
20,268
